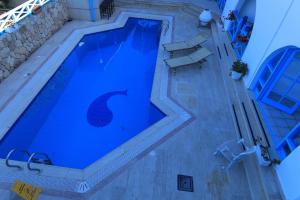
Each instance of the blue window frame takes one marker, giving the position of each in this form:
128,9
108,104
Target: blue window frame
278,85
239,27
236,26
290,142
240,46
221,4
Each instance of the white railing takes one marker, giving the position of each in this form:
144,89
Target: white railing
13,16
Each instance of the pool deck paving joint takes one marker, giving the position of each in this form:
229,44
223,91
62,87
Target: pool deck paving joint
189,149
131,150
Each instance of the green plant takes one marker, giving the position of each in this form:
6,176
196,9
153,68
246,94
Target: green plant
276,161
230,16
36,9
240,67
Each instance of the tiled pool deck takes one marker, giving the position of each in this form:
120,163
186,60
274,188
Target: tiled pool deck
189,148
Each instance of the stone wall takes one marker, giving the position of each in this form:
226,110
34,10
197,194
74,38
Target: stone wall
15,3
29,34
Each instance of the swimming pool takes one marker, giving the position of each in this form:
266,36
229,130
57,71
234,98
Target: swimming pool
97,100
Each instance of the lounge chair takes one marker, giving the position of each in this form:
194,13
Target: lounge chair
234,152
195,57
194,42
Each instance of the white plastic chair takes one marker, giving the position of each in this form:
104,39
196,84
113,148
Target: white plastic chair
233,151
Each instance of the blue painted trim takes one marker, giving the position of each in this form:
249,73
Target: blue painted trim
278,74
221,4
93,17
289,138
287,54
240,48
274,72
236,26
239,25
266,62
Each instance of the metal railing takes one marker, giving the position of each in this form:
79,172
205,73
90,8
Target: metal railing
33,159
13,151
13,16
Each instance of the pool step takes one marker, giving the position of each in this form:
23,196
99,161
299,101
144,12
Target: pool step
263,182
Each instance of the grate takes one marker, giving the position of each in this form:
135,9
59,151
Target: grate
185,183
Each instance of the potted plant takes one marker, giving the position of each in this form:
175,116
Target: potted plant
36,9
238,70
230,16
276,162
243,39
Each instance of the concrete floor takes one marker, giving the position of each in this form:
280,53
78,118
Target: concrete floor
190,152
200,90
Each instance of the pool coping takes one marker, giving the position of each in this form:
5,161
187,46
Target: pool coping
74,181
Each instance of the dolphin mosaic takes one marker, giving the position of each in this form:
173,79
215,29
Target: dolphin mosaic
98,114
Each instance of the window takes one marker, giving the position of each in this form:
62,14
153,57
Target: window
278,87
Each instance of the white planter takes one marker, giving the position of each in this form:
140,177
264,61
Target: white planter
262,157
235,75
205,17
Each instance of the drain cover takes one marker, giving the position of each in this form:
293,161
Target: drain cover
185,183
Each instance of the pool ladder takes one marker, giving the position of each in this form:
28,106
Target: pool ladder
31,159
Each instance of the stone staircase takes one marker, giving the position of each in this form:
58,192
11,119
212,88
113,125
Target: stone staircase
263,181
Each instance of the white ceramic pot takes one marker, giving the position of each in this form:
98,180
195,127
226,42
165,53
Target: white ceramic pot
205,17
262,157
235,75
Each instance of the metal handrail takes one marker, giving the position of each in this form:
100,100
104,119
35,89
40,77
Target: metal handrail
9,155
30,160
13,16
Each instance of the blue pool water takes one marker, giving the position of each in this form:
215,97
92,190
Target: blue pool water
98,99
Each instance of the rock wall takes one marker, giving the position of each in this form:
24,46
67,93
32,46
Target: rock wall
29,34
15,3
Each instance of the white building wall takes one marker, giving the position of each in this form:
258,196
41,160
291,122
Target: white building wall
276,26
269,19
80,9
289,175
